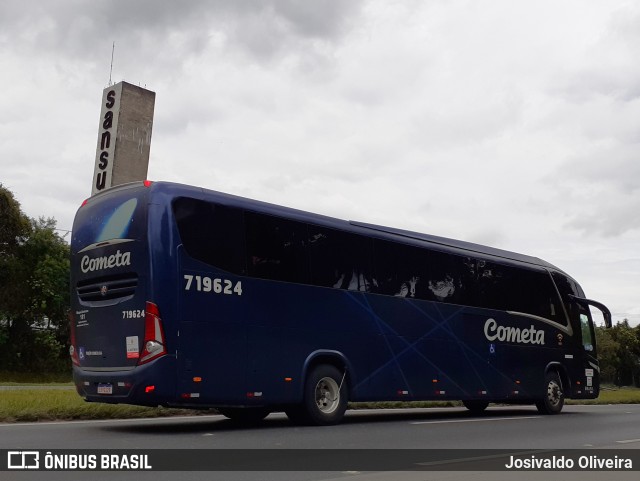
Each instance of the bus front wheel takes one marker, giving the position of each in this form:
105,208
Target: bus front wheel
553,397
325,398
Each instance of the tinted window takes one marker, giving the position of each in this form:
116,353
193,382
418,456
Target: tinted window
211,233
276,248
400,270
340,260
121,215
407,271
518,289
567,286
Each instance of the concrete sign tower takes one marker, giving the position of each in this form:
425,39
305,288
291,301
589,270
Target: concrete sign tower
124,136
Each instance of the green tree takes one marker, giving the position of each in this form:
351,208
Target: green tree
607,354
626,359
34,291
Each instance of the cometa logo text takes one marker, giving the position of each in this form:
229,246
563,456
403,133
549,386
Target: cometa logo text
118,259
495,332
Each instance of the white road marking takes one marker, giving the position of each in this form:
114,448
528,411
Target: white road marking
627,441
111,421
476,420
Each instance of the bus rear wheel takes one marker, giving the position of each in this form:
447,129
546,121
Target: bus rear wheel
325,398
553,397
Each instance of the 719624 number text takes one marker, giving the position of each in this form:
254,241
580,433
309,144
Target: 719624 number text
217,286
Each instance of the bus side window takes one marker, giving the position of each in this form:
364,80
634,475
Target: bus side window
566,287
211,233
587,341
520,289
340,260
276,248
399,269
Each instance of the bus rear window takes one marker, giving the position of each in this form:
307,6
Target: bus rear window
110,218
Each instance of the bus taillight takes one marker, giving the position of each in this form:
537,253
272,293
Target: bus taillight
154,343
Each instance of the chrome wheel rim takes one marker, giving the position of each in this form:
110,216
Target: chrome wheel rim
327,395
554,393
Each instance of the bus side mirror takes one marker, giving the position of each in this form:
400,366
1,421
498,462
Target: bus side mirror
606,313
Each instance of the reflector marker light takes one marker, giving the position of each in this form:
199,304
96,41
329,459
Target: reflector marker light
197,379
189,395
149,389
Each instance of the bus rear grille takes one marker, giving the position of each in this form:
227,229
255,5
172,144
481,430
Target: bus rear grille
107,289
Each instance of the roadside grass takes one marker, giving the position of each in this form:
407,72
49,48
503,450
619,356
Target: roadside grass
8,378
32,405
612,395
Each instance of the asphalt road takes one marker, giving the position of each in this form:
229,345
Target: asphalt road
578,427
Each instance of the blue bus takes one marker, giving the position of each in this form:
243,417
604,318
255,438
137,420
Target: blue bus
187,297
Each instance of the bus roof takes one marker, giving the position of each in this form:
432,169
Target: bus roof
388,233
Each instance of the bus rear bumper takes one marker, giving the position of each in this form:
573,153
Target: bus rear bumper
152,384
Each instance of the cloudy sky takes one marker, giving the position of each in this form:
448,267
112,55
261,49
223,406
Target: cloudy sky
512,124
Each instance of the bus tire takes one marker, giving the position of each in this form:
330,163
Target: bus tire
476,407
245,415
325,398
553,397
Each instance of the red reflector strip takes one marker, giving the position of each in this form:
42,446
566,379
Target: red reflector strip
153,344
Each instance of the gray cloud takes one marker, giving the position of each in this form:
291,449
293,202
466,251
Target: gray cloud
260,28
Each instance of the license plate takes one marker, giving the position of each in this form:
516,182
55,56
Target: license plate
105,389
